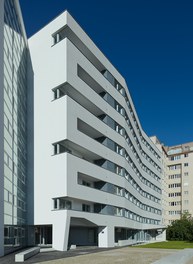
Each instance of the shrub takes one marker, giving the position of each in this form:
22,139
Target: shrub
181,229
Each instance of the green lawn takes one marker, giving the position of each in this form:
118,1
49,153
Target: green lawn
169,245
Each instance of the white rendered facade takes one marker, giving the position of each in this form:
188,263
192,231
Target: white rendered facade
16,115
164,185
97,176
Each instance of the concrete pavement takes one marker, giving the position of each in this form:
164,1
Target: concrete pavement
95,255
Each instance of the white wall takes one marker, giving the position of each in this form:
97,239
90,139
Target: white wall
56,176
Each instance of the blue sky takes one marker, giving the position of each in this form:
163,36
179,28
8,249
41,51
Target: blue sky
150,42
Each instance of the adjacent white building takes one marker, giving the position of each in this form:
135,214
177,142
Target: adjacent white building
97,176
16,130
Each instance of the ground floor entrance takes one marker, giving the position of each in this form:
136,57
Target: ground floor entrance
83,236
82,232
43,235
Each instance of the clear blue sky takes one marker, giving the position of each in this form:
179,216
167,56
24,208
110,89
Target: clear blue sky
150,42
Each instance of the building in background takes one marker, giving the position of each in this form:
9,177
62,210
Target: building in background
179,180
16,115
97,175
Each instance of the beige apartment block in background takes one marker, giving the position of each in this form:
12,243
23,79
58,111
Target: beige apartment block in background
177,181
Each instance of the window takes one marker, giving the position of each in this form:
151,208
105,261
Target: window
185,164
58,93
119,170
174,176
85,207
175,203
6,232
119,149
185,173
85,183
174,185
174,194
61,203
174,167
59,148
55,204
64,204
185,192
185,155
118,191
118,211
186,202
56,38
174,212
177,157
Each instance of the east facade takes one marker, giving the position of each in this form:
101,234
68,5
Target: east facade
76,166
97,175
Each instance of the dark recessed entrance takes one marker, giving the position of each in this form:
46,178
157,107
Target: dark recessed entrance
43,235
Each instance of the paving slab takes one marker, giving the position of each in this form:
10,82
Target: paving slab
95,255
126,255
181,257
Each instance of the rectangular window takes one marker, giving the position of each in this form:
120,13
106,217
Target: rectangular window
174,194
174,185
56,38
85,183
59,148
118,191
174,212
174,176
118,211
58,92
6,232
85,207
185,164
185,155
61,203
119,170
174,167
175,203
55,204
177,157
64,204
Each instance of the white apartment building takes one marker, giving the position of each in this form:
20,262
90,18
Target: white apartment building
16,130
97,175
164,181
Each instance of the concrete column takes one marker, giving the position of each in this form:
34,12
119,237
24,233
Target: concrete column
60,234
106,236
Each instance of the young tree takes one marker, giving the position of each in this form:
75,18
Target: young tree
181,229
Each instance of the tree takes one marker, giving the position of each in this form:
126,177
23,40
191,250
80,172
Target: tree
181,229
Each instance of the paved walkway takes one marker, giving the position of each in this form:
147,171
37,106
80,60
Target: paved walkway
93,255
181,257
